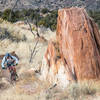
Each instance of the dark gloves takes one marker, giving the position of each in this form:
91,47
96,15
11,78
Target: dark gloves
3,68
16,64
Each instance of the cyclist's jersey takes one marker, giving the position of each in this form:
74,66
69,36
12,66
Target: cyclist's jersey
9,62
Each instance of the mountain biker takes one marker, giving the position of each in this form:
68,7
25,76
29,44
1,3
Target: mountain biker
9,61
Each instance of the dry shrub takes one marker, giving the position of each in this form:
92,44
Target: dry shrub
1,20
80,90
85,90
6,34
3,86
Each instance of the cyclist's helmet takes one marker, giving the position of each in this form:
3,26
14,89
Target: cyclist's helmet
8,55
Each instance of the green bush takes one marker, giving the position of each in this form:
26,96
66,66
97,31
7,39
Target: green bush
45,10
53,27
50,21
95,15
6,14
9,15
41,22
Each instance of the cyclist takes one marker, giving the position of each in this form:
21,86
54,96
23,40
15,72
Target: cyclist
9,62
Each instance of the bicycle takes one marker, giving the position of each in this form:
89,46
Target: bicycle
13,73
12,70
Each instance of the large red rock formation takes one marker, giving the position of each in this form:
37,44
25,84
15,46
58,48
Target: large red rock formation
78,41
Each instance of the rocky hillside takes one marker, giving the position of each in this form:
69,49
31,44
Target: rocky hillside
50,4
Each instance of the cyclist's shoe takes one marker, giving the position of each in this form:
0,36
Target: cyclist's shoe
16,76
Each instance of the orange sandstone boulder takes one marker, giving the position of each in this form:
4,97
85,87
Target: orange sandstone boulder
75,55
79,42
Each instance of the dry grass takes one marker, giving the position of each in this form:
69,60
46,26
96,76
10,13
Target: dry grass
87,90
83,90
33,89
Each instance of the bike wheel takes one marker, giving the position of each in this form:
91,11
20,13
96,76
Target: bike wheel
13,76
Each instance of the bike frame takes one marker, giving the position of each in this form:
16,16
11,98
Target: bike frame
13,73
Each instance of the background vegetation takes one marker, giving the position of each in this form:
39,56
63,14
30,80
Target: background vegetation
42,17
96,16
